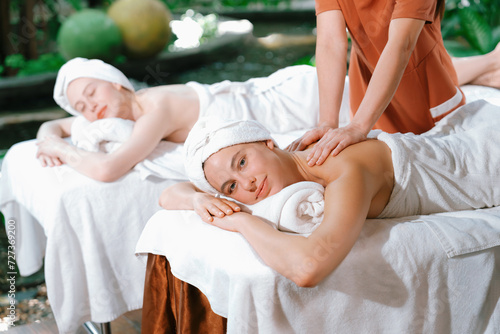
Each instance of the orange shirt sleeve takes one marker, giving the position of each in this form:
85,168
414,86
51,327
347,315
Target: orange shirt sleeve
326,5
413,9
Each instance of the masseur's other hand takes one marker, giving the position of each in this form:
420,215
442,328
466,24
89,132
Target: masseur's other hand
308,138
49,150
333,142
208,207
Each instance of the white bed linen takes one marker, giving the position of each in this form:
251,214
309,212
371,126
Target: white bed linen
398,278
87,231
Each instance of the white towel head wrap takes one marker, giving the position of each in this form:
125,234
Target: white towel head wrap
210,135
85,68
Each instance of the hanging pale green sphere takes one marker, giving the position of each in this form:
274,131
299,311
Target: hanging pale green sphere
89,33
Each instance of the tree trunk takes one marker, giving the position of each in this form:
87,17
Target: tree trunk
27,30
5,46
95,3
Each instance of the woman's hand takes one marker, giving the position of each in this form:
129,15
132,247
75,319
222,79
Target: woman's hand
231,223
49,161
50,150
208,206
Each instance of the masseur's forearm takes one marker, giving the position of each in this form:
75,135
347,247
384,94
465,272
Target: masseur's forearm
331,78
403,34
331,55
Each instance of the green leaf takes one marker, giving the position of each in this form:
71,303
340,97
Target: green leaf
457,49
15,61
449,26
307,60
77,4
496,36
476,30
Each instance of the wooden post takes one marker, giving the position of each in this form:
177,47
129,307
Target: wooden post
27,30
95,3
5,47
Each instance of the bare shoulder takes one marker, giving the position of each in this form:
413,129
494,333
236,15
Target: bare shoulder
176,107
178,100
371,156
166,91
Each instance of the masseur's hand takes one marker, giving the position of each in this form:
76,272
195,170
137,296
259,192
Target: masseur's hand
333,141
308,138
49,151
208,206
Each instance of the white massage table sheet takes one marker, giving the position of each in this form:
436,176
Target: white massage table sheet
86,230
402,276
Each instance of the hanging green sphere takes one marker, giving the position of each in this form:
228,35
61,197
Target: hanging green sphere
89,33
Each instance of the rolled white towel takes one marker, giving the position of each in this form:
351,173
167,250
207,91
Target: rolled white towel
297,208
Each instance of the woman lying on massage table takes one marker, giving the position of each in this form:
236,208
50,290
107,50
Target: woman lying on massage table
96,90
394,175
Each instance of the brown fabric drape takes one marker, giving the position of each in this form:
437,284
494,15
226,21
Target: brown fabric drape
174,306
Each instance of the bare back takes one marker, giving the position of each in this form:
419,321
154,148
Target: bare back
373,157
179,103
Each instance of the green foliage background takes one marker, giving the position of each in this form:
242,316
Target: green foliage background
469,27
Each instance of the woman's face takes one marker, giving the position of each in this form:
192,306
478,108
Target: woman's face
97,99
247,173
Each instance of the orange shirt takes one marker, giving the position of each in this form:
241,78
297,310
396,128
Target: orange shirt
429,87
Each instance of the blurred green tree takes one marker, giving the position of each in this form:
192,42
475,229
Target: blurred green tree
471,27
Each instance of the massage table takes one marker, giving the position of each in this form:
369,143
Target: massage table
84,230
435,273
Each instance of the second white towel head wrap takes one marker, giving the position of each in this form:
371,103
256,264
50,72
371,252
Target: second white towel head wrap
85,68
210,135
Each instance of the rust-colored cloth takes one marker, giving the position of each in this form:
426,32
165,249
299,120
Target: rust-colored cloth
174,306
429,87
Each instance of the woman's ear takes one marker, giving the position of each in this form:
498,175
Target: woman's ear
117,86
270,143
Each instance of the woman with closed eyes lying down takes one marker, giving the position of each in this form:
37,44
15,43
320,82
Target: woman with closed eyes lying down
392,175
